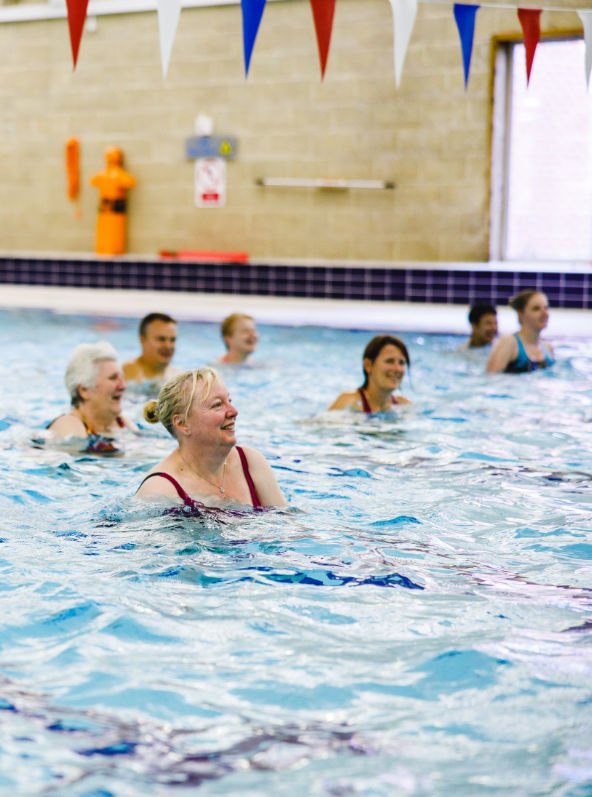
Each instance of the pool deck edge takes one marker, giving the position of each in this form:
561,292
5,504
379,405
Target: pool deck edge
343,314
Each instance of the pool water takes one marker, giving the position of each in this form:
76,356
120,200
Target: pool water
419,623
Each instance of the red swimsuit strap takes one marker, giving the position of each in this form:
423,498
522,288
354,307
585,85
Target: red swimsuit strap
248,478
184,496
365,403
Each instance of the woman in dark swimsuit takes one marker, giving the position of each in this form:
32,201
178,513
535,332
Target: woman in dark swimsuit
524,351
207,469
385,361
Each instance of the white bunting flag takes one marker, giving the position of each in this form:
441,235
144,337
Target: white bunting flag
586,17
168,19
404,12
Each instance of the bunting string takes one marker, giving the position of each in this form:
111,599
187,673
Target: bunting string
404,14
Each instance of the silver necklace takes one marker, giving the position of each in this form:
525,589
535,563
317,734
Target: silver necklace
219,487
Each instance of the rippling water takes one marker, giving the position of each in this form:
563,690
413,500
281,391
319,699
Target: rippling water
419,623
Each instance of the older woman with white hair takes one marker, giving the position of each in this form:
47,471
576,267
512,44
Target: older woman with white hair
95,383
207,469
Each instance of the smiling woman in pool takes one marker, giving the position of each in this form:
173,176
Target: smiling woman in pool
385,361
207,468
240,337
96,386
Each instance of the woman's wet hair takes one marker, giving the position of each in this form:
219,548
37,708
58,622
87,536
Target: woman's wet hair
177,395
520,300
83,367
376,345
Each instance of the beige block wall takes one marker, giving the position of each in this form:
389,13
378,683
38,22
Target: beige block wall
430,136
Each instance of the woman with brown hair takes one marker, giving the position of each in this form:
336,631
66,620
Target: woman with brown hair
384,362
524,351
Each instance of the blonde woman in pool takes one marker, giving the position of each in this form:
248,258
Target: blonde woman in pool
240,337
384,362
207,469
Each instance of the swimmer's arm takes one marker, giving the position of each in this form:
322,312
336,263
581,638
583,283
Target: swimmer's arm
344,401
67,426
268,489
403,400
504,351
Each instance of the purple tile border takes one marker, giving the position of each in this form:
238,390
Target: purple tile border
405,284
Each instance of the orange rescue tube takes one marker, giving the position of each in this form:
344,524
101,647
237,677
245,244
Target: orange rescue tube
73,168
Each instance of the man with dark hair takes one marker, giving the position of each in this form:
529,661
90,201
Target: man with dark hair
483,321
158,335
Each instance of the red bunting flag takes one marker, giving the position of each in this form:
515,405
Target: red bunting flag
76,18
530,19
323,11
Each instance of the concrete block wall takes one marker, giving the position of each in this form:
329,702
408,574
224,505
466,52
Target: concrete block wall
430,136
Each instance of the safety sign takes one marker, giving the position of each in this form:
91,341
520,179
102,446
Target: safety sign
210,182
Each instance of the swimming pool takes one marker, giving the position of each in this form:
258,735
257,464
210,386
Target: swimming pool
420,625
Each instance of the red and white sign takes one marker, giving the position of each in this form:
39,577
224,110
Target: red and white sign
210,182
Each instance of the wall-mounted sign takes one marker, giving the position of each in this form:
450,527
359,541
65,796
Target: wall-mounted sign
211,147
210,182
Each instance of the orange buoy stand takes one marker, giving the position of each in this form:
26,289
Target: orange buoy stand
113,185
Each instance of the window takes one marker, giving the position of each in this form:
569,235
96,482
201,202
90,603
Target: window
542,155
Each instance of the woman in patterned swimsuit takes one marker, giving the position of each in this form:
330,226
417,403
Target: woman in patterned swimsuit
207,469
96,386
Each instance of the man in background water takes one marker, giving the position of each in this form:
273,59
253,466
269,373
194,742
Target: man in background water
158,336
483,321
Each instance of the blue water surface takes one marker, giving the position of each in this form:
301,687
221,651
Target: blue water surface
419,623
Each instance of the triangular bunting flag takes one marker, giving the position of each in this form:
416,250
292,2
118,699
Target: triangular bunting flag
168,19
465,22
323,11
252,13
404,12
530,19
76,17
586,17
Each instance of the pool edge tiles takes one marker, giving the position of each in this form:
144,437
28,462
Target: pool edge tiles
566,285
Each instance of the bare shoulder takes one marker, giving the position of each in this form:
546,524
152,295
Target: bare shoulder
345,400
67,425
262,474
504,351
132,371
156,486
254,457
